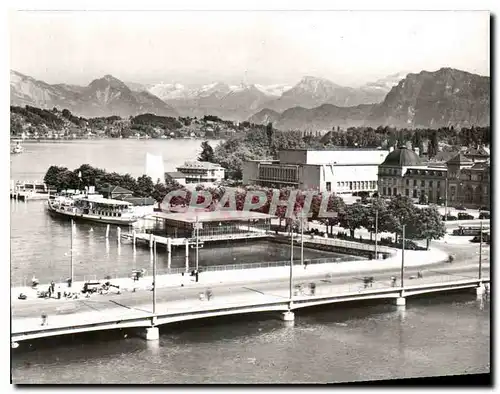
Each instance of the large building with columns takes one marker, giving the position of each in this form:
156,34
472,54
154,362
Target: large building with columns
341,170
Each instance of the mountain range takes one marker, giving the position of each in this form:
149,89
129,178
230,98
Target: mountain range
102,97
447,97
427,99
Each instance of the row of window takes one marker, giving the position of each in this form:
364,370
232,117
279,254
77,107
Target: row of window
278,173
106,213
395,171
353,185
415,193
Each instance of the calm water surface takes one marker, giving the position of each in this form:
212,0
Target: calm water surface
433,336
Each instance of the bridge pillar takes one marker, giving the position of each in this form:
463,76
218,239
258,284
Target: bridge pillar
169,252
119,234
151,334
480,290
288,316
400,301
150,240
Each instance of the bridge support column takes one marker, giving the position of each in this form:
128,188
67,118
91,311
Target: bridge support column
169,252
400,301
119,234
151,240
134,239
187,255
288,316
480,290
151,334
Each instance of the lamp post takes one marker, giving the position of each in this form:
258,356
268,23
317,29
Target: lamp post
71,254
154,275
376,234
480,251
446,199
196,234
291,268
403,258
302,238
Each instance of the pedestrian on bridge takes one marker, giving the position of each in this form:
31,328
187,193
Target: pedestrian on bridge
44,319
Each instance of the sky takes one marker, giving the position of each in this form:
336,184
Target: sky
194,47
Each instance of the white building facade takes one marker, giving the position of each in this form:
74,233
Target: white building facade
198,173
340,171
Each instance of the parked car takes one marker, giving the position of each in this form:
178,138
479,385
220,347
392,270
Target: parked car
449,217
484,215
464,216
484,209
460,208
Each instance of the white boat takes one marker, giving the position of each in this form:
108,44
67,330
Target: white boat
93,208
18,148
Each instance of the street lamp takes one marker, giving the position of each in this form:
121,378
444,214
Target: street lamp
301,237
291,268
154,275
403,258
376,234
480,251
71,254
446,199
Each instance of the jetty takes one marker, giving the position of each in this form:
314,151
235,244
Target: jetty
29,190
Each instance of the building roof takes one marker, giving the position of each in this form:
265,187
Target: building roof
459,159
211,216
175,174
115,189
200,164
402,157
107,201
139,201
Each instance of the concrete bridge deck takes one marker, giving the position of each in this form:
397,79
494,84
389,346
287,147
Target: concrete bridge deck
134,310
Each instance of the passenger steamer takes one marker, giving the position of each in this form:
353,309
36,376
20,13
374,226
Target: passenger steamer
92,207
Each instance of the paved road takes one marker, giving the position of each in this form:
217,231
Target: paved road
256,290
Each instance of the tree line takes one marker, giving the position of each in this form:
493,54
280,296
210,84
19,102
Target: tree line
421,223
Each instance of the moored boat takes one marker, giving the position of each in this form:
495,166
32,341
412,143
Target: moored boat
92,207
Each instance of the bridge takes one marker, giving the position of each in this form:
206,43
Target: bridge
147,322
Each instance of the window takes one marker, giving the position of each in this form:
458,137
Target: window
395,192
414,182
430,183
384,192
438,184
350,185
414,193
422,183
328,186
407,192
407,182
389,191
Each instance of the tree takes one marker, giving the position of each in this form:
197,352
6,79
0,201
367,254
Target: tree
207,152
269,132
402,210
353,217
145,186
426,224
60,178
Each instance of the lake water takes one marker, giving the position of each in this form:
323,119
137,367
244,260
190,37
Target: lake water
436,335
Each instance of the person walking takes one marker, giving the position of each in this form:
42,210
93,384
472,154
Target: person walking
44,319
53,286
209,294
